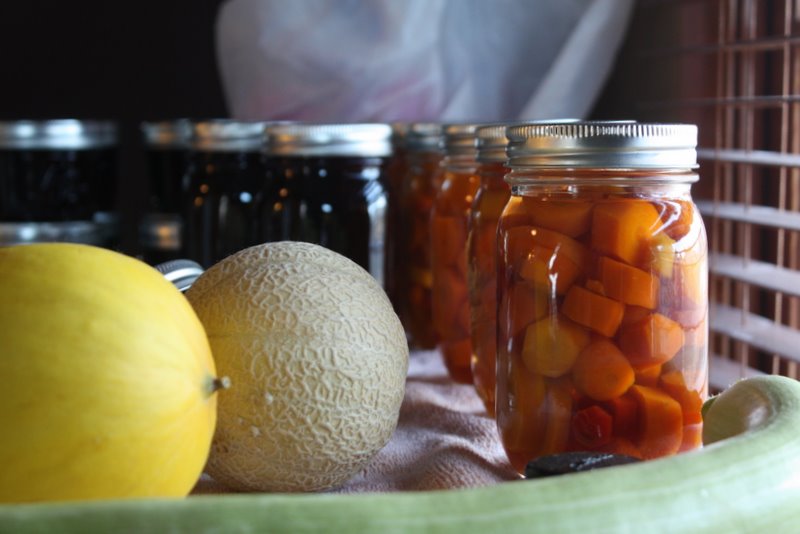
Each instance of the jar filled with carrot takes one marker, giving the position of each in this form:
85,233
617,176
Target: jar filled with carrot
414,279
602,288
493,193
396,174
449,226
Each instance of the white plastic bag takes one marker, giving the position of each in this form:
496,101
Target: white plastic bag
414,60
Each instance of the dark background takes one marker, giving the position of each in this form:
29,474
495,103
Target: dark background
123,61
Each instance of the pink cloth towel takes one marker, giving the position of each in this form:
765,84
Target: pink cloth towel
444,439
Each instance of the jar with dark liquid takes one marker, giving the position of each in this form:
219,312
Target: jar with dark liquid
414,275
602,292
449,232
326,185
396,173
224,186
58,181
160,229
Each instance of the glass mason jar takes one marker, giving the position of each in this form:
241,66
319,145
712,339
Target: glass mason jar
492,195
58,181
224,183
449,229
396,172
602,275
414,277
325,185
160,229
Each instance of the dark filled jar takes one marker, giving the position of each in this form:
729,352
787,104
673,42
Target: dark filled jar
602,292
326,185
224,186
58,181
166,145
396,173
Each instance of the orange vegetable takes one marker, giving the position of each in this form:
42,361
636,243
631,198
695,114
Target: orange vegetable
660,422
601,314
662,255
652,341
568,217
547,269
690,400
558,410
648,375
677,217
592,427
450,304
448,240
523,431
522,305
561,245
619,445
624,229
601,371
628,284
634,314
552,345
692,437
625,411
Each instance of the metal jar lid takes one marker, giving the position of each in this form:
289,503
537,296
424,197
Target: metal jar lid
603,144
182,273
58,134
336,140
167,134
459,140
226,135
425,137
491,142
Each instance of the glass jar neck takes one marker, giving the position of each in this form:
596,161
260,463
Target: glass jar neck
522,176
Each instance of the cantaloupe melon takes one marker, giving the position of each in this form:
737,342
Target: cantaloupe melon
317,360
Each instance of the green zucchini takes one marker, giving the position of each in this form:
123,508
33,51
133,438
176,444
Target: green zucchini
747,479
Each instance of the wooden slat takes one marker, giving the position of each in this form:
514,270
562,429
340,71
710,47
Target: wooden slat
723,372
756,331
757,273
760,215
753,157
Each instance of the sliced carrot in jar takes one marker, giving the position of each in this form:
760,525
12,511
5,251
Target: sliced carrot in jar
634,314
552,345
568,217
599,313
660,422
654,340
522,305
601,371
448,240
544,268
648,375
625,411
662,255
592,427
628,284
691,402
677,217
623,229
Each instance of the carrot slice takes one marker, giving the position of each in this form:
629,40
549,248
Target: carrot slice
677,217
522,305
648,375
552,345
654,340
634,314
558,407
625,411
545,268
690,400
592,427
660,420
448,240
619,445
601,314
601,371
623,229
569,217
628,284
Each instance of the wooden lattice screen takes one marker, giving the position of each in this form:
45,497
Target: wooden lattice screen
733,68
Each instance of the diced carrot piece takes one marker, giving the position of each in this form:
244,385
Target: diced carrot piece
558,407
677,217
662,253
569,217
595,286
484,253
623,229
522,305
545,268
450,304
592,427
552,344
660,420
692,437
625,411
601,314
690,400
515,213
448,240
493,201
634,314
648,375
561,245
601,371
654,340
628,284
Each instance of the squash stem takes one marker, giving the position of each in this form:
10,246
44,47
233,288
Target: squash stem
220,383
